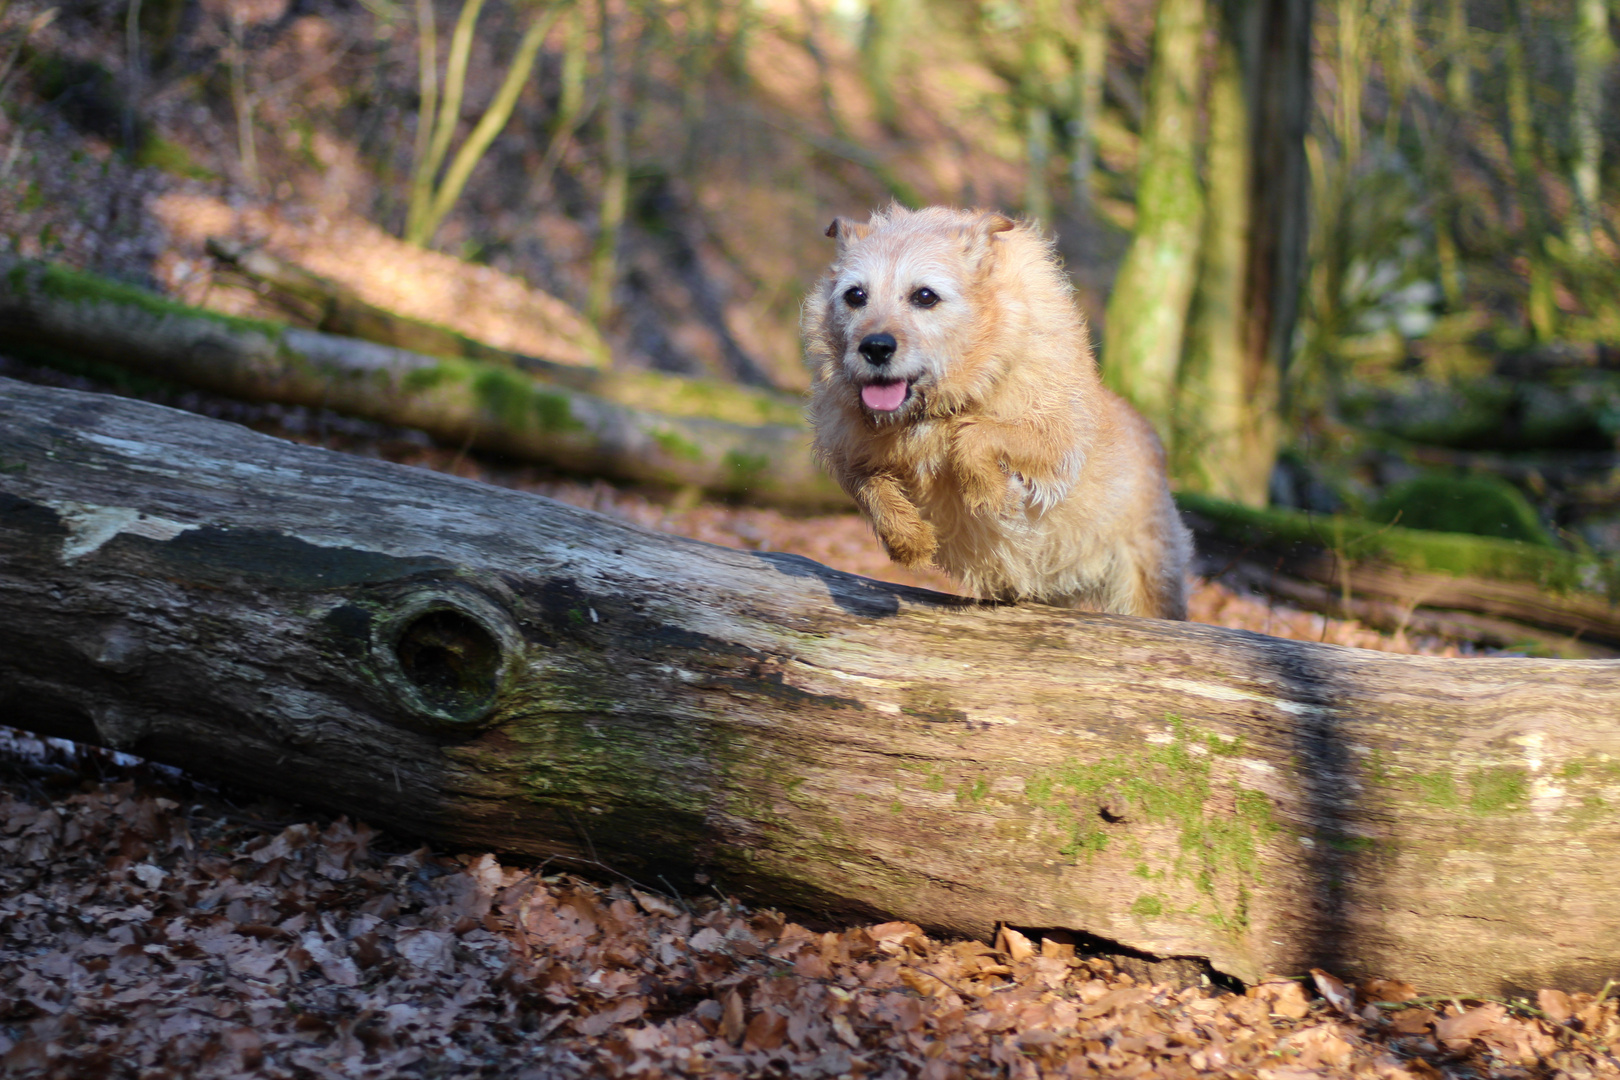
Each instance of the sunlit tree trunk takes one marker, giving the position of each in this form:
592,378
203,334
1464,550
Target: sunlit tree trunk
1091,63
883,42
1212,408
1459,98
1460,56
1241,322
1594,50
1147,313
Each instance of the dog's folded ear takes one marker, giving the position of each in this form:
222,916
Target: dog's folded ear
992,222
846,232
978,234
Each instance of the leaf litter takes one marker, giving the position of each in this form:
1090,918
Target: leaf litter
150,928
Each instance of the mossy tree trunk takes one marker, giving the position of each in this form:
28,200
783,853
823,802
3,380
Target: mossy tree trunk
1594,52
1240,328
1215,409
1147,311
1541,311
491,670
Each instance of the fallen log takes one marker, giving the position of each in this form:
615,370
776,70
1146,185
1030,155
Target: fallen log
313,301
458,401
1404,570
487,669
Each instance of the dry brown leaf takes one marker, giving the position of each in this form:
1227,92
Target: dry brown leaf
1413,1021
1556,1004
732,1020
1469,1024
766,1031
1377,989
1014,944
1335,992
1285,999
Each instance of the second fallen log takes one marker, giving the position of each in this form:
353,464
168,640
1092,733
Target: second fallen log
460,402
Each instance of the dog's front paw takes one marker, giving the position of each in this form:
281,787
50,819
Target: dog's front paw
984,487
909,542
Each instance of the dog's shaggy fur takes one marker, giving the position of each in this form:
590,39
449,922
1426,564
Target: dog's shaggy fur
957,400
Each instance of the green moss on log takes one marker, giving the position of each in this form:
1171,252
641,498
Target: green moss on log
1170,784
1442,553
62,283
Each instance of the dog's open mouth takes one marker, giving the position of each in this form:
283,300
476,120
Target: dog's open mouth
885,396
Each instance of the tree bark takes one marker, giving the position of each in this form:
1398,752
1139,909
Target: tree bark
488,669
1241,324
471,403
1147,311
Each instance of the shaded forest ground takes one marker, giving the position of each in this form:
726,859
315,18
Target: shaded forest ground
153,928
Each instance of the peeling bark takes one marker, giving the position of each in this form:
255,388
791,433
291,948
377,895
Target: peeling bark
488,669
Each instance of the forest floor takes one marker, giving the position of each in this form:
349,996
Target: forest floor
154,928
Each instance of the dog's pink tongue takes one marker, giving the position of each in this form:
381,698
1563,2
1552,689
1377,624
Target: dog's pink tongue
884,396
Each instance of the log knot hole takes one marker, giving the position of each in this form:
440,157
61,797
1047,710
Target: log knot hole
451,660
446,653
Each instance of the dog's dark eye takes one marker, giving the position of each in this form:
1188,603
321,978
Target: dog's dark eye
925,298
855,296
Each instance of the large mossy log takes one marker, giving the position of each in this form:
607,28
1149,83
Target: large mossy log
489,669
661,430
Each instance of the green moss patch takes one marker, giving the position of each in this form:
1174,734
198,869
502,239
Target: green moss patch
1477,505
1171,784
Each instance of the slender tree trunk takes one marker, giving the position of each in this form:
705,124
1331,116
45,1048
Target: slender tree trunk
242,101
1214,409
615,173
490,670
1147,313
1459,57
1540,309
883,43
1090,68
1594,51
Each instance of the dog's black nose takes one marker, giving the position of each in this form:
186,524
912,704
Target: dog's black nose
877,348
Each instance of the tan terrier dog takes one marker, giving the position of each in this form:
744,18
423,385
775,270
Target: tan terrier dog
956,399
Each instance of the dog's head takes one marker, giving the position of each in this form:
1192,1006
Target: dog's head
897,324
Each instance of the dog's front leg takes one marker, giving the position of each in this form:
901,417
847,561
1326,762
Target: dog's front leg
1003,468
979,459
907,538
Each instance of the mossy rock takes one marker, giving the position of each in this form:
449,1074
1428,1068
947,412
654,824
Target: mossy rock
1477,505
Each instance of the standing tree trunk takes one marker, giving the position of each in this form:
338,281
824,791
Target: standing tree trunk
1252,256
1540,310
1594,50
1147,312
615,173
493,670
1090,66
1214,410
